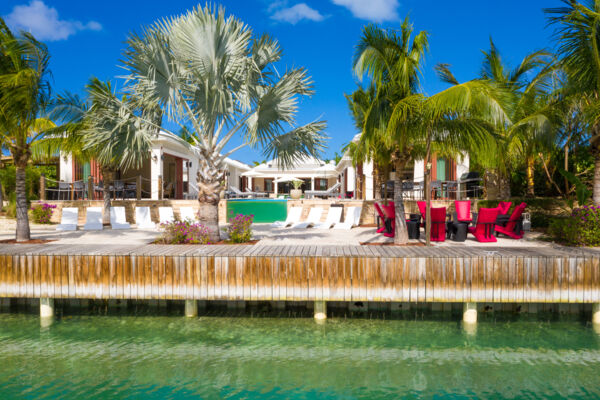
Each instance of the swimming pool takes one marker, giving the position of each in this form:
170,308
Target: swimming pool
264,210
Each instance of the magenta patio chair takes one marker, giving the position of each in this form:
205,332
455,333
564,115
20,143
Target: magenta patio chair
423,210
463,210
484,229
438,224
381,216
510,227
504,206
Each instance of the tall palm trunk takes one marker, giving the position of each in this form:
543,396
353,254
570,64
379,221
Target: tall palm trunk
529,175
401,236
1,197
427,187
210,185
23,233
596,193
107,178
376,182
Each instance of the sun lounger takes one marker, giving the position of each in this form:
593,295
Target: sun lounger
238,193
314,217
255,194
117,218
293,217
187,213
331,192
143,219
93,219
334,215
165,214
68,219
351,220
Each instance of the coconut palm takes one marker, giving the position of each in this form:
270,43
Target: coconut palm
392,61
115,131
24,96
208,72
526,98
578,39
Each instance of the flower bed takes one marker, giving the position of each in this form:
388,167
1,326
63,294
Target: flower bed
239,228
42,213
183,232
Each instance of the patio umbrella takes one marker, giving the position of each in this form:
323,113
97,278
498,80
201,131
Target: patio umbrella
252,174
328,171
286,179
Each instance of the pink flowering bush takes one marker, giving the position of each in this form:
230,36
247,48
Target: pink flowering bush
183,232
239,228
42,213
581,228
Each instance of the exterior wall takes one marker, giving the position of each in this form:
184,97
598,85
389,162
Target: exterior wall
66,168
419,171
462,166
368,172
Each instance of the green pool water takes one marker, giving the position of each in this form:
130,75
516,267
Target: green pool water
147,357
264,210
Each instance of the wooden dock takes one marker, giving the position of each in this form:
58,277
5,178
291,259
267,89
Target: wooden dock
301,273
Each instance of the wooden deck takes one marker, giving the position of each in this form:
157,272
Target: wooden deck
302,273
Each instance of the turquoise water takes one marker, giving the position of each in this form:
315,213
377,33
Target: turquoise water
264,210
150,357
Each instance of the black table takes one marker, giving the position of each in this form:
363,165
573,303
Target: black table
413,228
457,230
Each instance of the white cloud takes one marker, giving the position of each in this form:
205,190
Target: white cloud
372,10
295,13
43,22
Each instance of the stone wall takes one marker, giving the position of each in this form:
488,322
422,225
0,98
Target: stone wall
368,215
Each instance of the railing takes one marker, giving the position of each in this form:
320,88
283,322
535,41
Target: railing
129,188
443,190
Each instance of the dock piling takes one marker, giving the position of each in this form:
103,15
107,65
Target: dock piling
320,310
470,313
191,308
46,307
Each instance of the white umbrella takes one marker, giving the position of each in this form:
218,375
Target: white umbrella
252,174
286,179
328,171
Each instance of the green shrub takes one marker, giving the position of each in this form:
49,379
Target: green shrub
239,229
581,228
11,209
183,232
42,213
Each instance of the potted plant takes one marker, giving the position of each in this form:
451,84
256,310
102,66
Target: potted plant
296,192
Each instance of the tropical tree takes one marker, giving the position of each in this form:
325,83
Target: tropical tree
209,73
578,38
115,131
392,61
24,97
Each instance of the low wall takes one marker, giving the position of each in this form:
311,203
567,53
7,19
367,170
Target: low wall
368,215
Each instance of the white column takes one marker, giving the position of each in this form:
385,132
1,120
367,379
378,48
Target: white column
320,310
191,308
46,307
275,188
470,313
249,185
312,183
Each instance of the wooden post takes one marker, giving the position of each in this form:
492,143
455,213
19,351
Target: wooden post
46,307
138,187
43,187
470,313
72,191
320,310
191,308
90,187
160,187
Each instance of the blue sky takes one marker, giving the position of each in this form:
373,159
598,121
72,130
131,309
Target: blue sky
86,39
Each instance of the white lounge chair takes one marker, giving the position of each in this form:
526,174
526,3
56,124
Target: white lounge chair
293,217
68,219
93,219
165,214
117,218
351,220
314,217
238,193
143,219
331,192
187,213
334,216
255,194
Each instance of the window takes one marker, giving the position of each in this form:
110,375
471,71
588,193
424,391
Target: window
321,184
269,185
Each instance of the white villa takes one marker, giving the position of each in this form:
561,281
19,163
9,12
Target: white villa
170,163
272,179
358,183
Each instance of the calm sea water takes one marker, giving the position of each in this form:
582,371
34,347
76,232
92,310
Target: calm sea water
150,357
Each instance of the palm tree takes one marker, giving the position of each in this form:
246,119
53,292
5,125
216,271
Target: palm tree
393,62
106,128
578,38
526,98
209,73
24,96
456,120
